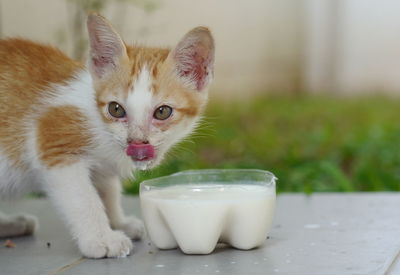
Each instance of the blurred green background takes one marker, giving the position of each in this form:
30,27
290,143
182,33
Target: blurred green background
311,143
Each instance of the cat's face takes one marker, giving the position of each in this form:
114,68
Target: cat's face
149,98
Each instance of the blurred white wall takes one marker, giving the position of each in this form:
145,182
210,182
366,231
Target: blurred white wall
352,46
321,46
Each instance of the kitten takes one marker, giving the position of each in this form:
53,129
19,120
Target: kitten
75,131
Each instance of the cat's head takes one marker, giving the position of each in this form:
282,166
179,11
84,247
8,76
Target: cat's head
149,98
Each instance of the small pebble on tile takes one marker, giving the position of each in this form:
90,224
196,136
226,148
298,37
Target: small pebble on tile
9,244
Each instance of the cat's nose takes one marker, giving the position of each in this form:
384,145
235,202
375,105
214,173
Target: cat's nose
137,141
140,151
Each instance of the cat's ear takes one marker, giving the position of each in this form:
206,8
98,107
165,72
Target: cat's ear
194,58
107,50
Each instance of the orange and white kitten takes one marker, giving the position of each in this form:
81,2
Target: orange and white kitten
75,131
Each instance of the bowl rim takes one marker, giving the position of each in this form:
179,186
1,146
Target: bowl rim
150,182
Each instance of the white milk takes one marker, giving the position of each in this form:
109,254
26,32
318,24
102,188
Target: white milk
196,217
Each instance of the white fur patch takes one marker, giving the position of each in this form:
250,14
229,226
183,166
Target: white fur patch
15,181
78,92
140,99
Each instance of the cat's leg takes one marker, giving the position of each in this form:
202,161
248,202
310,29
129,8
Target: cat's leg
17,225
72,191
110,192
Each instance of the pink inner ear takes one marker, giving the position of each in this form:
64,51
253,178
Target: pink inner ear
100,63
195,62
104,54
105,46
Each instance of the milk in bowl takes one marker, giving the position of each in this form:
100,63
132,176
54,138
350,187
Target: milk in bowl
194,210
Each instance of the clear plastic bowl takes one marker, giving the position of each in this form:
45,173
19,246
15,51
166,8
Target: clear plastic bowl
196,209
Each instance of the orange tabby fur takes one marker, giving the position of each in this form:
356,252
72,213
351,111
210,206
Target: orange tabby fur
63,135
27,70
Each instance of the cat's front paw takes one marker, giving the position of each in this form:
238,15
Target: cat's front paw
133,227
111,245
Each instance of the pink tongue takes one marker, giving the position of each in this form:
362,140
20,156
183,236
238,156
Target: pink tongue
140,152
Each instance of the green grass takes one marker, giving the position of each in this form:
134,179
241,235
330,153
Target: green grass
311,144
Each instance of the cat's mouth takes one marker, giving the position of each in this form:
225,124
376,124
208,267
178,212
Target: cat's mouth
141,152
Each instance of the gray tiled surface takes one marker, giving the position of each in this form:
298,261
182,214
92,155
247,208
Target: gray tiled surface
320,234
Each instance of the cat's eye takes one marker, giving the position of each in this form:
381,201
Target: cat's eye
116,110
162,112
